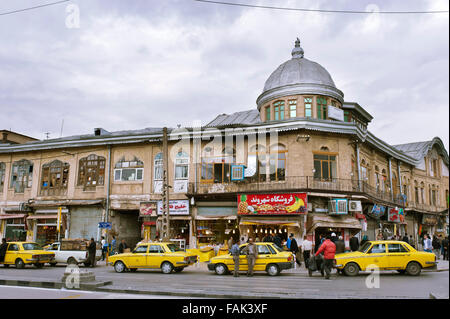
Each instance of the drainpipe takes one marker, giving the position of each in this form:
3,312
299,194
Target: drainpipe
390,177
358,166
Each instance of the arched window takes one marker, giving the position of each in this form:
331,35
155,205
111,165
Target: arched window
129,170
422,193
21,175
92,171
277,162
158,165
364,170
384,181
54,179
181,165
2,176
394,185
416,192
377,178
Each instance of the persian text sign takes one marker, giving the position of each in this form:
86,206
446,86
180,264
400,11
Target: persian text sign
176,207
272,204
147,209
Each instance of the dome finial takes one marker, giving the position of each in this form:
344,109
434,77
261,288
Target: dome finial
297,52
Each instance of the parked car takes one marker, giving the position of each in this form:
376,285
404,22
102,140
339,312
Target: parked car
386,255
72,256
271,259
165,256
25,253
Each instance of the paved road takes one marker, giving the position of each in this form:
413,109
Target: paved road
197,281
11,292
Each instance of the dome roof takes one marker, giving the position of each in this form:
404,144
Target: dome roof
299,76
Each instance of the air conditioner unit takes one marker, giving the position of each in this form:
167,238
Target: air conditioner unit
354,206
338,206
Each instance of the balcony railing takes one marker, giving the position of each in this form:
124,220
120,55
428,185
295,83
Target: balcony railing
290,183
426,207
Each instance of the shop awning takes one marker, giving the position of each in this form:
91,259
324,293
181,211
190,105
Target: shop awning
333,222
46,216
180,217
12,216
216,217
272,222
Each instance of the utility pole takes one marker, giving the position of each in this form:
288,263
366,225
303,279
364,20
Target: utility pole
165,190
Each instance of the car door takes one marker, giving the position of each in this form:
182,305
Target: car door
154,256
138,259
264,257
398,256
376,255
11,253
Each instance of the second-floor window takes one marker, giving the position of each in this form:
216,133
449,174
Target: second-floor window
278,108
21,175
181,166
55,176
325,167
2,176
308,106
292,108
277,163
322,108
129,170
92,171
217,169
158,165
267,113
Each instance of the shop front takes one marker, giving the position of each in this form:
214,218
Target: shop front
44,223
262,215
14,227
428,224
180,221
215,224
83,222
148,215
375,213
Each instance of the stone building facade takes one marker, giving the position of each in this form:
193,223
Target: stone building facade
239,175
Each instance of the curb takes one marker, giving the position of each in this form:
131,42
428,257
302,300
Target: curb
28,283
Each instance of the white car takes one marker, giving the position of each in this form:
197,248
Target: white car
74,257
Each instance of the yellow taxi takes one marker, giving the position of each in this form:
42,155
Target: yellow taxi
271,259
24,253
386,255
165,256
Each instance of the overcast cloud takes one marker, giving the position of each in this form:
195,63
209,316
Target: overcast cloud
152,63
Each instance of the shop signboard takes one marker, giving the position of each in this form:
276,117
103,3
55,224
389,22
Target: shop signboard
176,207
396,215
105,225
429,220
147,209
272,204
377,211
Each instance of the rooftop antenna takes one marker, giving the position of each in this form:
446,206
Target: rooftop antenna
62,125
47,135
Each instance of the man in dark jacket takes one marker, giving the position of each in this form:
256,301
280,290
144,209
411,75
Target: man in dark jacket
329,250
405,238
123,246
340,245
294,249
91,252
445,246
354,243
3,248
277,240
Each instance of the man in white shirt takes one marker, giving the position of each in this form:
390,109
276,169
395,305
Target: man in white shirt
427,246
306,248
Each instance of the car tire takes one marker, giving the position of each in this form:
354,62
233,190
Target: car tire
178,269
413,268
351,269
166,267
120,267
220,269
20,264
273,270
402,271
72,261
133,269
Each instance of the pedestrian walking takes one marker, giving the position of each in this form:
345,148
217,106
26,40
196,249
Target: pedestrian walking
334,238
235,253
340,245
294,249
445,247
354,243
306,249
405,238
436,247
277,240
329,250
243,241
288,243
92,248
113,245
252,253
427,244
442,246
411,242
230,242
3,248
104,248
122,246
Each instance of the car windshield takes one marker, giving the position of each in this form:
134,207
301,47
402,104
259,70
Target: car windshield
31,246
364,247
173,248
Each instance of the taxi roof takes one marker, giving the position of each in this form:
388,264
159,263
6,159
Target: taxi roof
387,241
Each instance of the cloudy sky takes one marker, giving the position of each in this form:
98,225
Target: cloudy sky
149,63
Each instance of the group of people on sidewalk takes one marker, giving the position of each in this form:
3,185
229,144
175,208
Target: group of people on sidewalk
438,245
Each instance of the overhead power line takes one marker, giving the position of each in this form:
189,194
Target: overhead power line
32,8
316,10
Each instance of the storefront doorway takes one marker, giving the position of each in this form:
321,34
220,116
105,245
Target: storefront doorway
323,232
15,230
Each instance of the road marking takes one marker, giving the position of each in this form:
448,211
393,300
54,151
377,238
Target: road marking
71,297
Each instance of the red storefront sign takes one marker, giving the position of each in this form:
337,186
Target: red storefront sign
272,204
396,215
